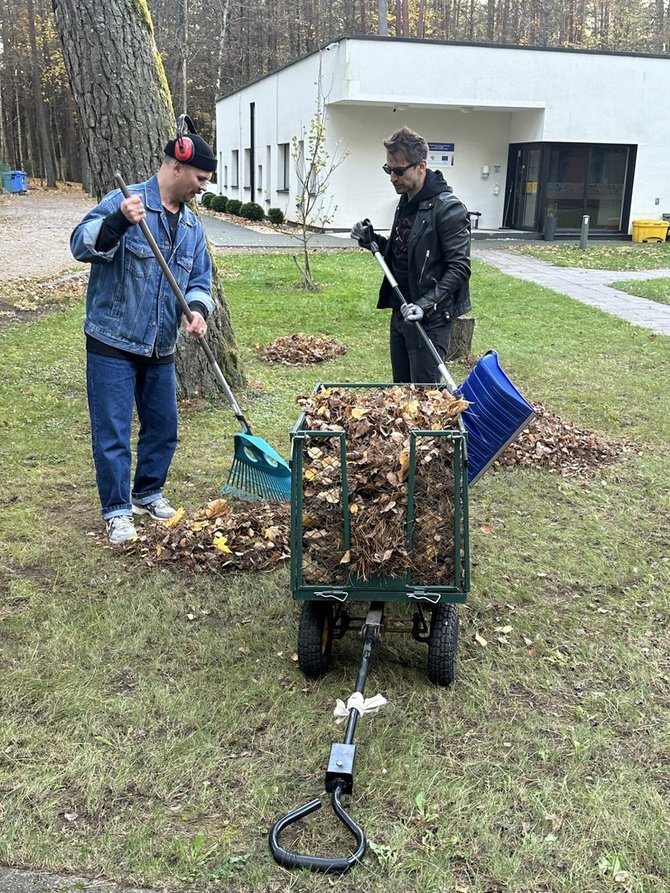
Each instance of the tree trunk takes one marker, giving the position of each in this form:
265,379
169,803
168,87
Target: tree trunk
119,87
460,345
383,13
183,58
48,163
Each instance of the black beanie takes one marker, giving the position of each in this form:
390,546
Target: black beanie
203,157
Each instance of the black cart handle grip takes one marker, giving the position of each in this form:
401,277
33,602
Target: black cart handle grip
332,864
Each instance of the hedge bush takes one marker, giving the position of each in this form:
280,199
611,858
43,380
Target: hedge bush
252,211
206,200
219,203
234,205
276,216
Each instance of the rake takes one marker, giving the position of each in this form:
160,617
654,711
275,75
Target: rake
258,472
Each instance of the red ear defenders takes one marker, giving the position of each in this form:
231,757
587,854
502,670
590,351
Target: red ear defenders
184,149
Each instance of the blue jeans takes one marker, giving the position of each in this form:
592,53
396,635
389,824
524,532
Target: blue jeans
114,385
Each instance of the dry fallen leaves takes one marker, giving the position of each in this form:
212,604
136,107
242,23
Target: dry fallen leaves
220,536
223,537
377,424
35,293
302,350
560,446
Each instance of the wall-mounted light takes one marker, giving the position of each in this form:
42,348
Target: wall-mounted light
485,172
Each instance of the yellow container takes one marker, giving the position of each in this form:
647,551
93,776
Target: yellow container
650,230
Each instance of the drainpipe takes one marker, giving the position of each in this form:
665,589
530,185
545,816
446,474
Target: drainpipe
252,150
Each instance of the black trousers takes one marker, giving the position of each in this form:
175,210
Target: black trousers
411,360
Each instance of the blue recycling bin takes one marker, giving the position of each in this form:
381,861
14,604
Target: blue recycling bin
15,181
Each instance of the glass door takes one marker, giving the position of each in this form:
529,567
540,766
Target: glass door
523,192
569,180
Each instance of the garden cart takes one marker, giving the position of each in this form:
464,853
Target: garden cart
436,581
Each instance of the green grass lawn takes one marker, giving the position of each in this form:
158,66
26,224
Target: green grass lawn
600,256
153,724
653,289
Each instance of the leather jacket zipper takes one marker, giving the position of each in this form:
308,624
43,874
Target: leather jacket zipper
425,261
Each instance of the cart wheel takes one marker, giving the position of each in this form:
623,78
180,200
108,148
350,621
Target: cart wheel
315,638
442,642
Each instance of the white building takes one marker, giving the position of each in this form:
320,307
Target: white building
515,130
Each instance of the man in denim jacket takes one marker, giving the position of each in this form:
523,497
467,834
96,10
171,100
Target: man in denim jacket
132,324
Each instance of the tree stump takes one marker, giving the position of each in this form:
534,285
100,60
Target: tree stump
461,338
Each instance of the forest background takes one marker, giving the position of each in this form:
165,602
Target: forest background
211,47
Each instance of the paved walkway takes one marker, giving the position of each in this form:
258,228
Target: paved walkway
14,880
231,235
588,286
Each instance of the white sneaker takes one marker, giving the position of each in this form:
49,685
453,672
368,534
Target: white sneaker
160,509
120,529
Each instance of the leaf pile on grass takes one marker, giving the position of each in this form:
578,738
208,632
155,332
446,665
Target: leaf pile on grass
220,537
36,293
560,446
378,425
302,350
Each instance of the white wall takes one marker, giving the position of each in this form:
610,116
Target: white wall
364,190
514,95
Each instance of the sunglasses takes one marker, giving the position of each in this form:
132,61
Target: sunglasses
398,171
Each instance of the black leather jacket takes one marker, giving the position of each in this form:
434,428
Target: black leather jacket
439,257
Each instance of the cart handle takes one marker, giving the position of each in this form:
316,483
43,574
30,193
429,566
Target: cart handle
335,864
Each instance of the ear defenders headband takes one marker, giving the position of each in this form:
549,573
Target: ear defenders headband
184,149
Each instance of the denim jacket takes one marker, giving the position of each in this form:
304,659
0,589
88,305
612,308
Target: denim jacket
129,302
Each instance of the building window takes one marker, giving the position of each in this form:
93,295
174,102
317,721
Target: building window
283,166
225,176
247,168
235,168
259,178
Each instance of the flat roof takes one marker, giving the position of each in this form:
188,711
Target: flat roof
358,38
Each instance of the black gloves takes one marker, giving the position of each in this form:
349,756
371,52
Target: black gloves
363,232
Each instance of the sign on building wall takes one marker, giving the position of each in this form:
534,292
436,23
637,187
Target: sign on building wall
440,155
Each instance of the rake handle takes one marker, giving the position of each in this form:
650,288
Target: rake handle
239,415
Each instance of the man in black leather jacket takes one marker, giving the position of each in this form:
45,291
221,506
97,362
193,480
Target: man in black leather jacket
428,251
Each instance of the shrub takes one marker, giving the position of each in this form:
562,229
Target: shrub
219,203
206,200
276,216
252,211
234,205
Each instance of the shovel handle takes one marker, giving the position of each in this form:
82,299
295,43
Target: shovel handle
444,372
187,312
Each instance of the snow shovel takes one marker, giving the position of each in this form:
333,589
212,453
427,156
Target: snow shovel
258,472
497,414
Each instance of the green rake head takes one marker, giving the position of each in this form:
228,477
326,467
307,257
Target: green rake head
258,473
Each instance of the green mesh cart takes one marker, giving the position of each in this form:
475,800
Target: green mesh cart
435,584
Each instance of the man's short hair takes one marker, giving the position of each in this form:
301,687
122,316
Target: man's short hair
411,144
